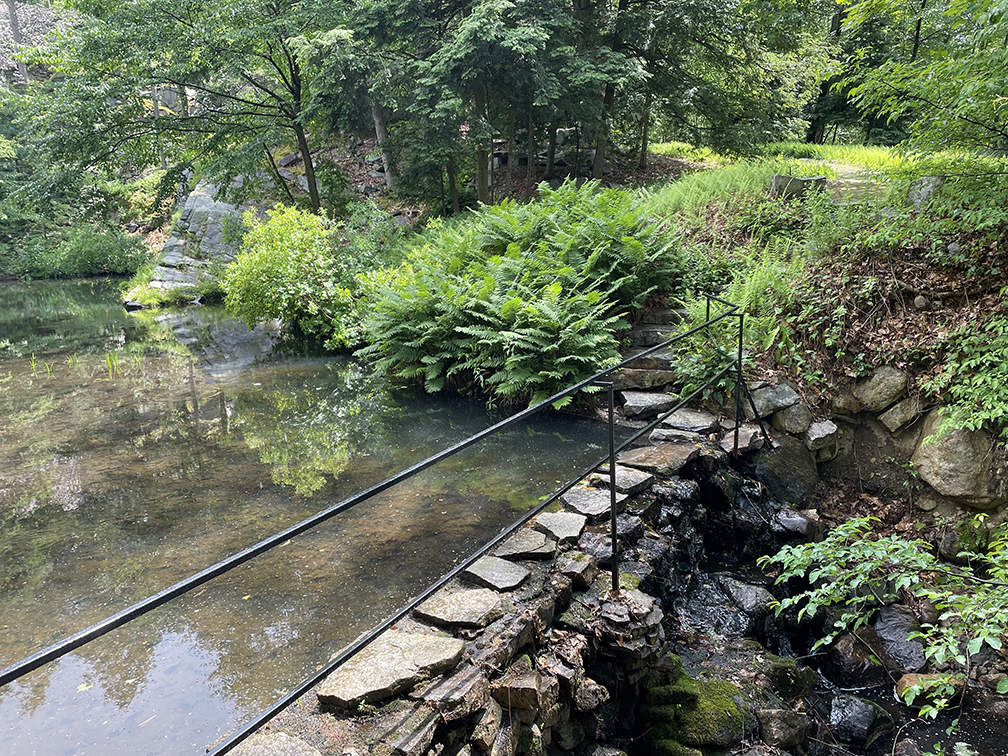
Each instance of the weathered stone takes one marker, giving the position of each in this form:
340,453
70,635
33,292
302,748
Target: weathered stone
845,404
858,722
390,664
275,743
458,694
526,544
901,414
496,573
795,186
563,527
961,464
489,725
580,568
893,625
629,528
821,435
647,404
649,334
770,399
593,503
795,419
697,421
413,735
519,691
627,379
590,695
783,728
629,481
750,438
665,459
598,546
660,360
906,747
464,608
885,386
673,435
922,190
850,662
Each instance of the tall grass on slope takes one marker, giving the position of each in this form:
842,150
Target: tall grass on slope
698,190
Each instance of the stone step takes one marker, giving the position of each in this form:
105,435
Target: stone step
662,316
660,360
649,334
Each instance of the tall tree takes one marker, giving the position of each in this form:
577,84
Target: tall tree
15,29
240,83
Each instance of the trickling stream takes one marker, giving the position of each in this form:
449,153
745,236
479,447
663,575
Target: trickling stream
137,450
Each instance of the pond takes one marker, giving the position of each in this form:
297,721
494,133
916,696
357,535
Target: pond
136,450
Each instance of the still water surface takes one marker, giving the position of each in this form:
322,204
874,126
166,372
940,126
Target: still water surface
136,450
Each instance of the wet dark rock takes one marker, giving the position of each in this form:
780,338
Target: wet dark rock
783,728
754,600
893,625
906,747
598,546
788,471
850,663
804,524
676,491
590,695
629,528
580,568
707,607
132,306
856,721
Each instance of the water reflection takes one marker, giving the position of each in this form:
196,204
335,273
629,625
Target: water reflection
130,459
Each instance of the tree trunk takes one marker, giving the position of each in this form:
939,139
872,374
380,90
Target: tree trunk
645,133
602,139
551,151
452,189
511,151
309,167
382,137
15,28
530,174
917,32
482,153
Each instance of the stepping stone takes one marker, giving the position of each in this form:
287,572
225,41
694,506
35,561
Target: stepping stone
673,435
393,662
665,459
466,608
565,527
628,480
646,404
593,503
274,744
526,544
693,420
496,573
750,439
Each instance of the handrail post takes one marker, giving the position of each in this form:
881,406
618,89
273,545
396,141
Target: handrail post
738,383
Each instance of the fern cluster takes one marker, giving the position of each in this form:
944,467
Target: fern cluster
521,301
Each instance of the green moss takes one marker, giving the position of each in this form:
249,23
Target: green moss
688,712
673,748
787,680
628,582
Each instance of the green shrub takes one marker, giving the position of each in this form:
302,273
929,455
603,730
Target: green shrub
82,251
516,302
304,269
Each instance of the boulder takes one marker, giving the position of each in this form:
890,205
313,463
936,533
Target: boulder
795,186
856,721
788,471
770,399
901,414
893,625
885,386
696,421
961,464
647,404
783,728
795,419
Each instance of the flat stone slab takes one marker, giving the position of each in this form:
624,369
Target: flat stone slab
470,607
275,744
693,420
646,403
664,459
392,663
527,544
565,527
593,503
662,434
459,694
629,481
499,574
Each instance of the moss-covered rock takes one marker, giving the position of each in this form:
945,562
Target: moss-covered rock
689,714
786,679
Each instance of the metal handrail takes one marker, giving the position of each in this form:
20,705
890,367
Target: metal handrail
75,641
